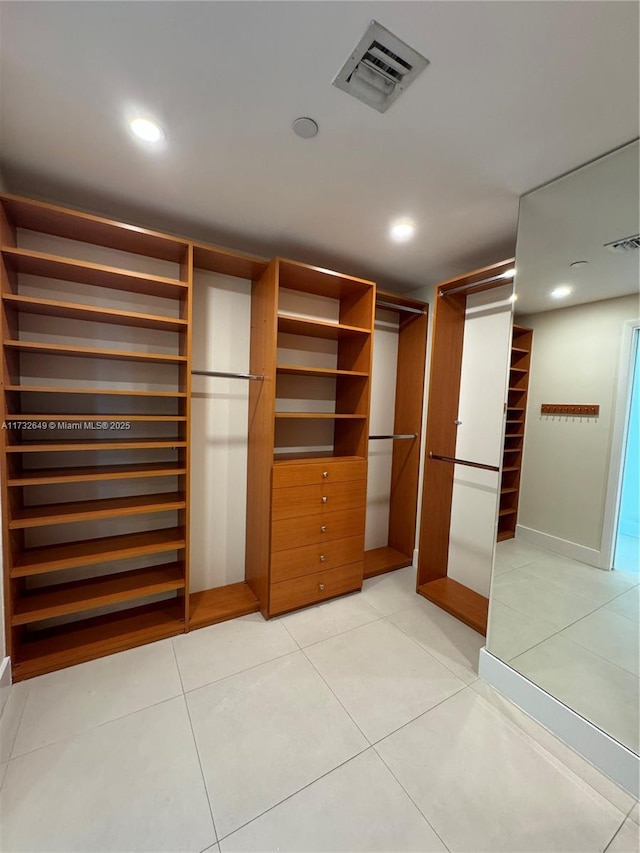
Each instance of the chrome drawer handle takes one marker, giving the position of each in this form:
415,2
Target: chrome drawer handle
324,499
321,587
325,474
323,558
323,528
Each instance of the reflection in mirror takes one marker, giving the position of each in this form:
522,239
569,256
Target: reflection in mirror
565,591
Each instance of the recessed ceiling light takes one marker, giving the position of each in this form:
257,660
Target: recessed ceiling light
305,127
146,129
402,230
562,291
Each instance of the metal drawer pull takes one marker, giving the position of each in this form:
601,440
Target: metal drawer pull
323,528
325,474
321,587
324,499
323,558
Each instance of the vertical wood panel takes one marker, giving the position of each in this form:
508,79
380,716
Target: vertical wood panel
412,354
264,329
444,391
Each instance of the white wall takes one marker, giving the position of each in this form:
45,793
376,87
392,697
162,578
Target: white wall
566,460
485,362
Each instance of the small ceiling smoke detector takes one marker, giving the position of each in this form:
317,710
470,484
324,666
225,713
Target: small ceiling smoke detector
380,68
625,244
305,128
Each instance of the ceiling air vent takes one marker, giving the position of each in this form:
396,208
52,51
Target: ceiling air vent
627,244
380,68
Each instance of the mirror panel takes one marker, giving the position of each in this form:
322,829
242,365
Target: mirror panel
560,614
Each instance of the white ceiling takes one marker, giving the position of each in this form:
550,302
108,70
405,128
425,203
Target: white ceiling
516,93
573,219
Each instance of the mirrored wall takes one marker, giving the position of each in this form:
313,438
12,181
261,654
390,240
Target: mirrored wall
565,589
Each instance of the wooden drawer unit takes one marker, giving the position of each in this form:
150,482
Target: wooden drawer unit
308,473
308,589
297,501
304,561
313,529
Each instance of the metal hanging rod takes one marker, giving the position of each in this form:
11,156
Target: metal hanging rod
463,462
396,436
404,308
226,375
501,277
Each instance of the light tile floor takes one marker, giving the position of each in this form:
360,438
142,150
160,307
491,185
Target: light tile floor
357,725
573,630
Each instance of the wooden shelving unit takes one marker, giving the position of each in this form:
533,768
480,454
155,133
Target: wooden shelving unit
302,487
521,343
69,483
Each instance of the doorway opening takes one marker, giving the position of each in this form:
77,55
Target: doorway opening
627,540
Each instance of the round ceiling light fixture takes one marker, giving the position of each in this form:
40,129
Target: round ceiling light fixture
147,130
305,127
562,291
402,230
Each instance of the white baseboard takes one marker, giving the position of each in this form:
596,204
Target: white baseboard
5,681
560,546
612,758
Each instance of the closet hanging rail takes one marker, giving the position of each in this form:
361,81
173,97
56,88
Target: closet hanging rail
226,375
394,437
471,284
462,462
404,308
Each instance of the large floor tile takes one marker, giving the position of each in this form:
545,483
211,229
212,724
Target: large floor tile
541,601
72,700
572,576
450,641
627,839
511,633
11,717
383,678
133,784
391,592
634,814
627,554
514,553
357,807
210,654
593,687
627,604
314,624
485,786
264,734
555,749
610,635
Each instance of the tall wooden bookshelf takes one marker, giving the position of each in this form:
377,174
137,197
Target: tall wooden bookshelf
522,340
95,467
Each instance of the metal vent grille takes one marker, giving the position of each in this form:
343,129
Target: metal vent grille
627,244
380,68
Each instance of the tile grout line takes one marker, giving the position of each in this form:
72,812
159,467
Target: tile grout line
615,835
15,736
240,671
296,792
420,812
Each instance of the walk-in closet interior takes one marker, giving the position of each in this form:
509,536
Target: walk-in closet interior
188,434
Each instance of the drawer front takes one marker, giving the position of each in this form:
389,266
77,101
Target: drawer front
314,500
309,589
316,529
312,558
308,473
